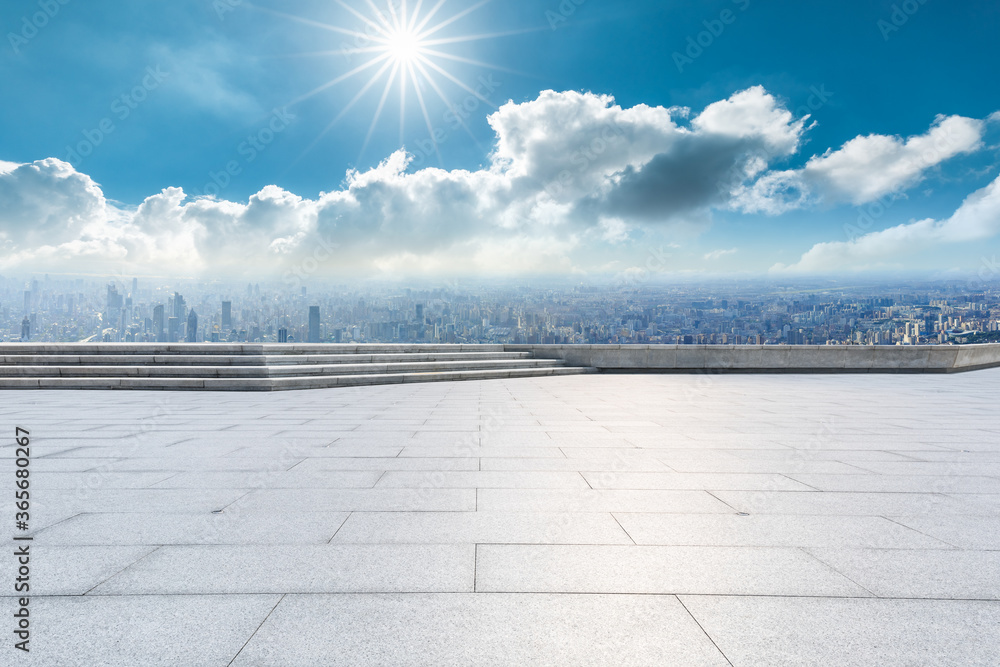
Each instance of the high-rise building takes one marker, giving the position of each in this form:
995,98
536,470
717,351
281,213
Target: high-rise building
27,301
159,321
179,307
227,316
115,300
25,330
313,324
192,327
282,335
173,329
420,312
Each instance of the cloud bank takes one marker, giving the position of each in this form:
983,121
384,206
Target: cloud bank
569,170
571,176
977,219
864,169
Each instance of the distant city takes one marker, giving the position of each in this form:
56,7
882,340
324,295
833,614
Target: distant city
141,310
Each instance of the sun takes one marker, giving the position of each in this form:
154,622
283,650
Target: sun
404,46
401,44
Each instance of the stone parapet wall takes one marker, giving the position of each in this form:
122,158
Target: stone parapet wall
771,358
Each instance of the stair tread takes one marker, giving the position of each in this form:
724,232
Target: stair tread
281,383
260,367
266,371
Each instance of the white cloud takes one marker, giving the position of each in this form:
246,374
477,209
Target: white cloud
864,169
571,173
641,163
575,182
719,254
48,199
978,218
753,114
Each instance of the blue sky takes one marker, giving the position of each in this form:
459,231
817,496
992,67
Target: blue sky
136,98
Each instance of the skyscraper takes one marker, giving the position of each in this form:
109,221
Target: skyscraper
179,306
227,316
115,300
173,329
25,330
313,324
158,323
192,327
282,335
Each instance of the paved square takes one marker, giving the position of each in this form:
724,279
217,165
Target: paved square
582,520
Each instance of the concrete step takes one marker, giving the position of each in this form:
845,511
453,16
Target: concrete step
117,349
270,367
132,360
287,384
274,360
166,384
279,384
152,371
247,359
418,367
194,349
272,371
377,348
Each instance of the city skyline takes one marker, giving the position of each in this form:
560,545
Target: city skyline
405,140
745,313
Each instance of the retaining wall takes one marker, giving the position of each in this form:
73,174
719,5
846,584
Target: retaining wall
772,358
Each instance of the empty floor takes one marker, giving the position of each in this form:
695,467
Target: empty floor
591,520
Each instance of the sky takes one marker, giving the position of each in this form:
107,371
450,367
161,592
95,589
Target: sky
389,139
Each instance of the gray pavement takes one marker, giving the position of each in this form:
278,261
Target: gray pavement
587,520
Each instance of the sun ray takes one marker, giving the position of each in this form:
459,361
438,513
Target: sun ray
378,111
440,93
380,15
477,38
469,61
430,15
446,74
329,84
325,54
310,22
415,15
344,111
402,101
364,18
405,39
430,126
398,21
361,93
462,14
